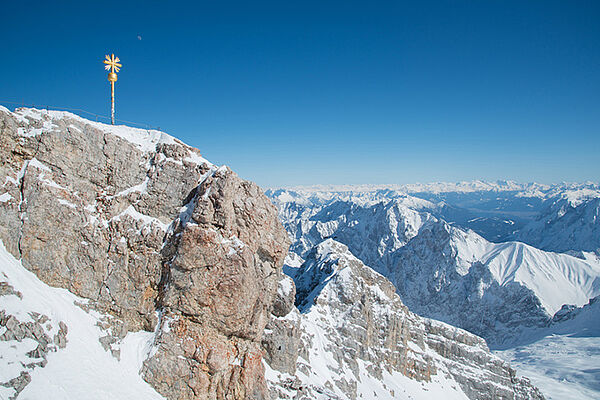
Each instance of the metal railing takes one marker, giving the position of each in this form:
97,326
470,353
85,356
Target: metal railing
77,111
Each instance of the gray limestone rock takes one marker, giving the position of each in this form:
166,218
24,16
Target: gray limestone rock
282,342
225,255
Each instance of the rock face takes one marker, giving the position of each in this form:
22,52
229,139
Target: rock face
281,340
224,255
152,233
360,341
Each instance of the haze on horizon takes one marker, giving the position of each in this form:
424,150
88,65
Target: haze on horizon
342,93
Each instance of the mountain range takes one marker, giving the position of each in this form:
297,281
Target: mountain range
500,260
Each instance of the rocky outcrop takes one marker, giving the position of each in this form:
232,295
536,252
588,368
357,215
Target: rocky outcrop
224,264
281,340
152,233
360,341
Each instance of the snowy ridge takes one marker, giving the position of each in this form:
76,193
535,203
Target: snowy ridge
509,291
38,121
532,189
364,198
568,221
494,290
498,211
556,279
434,187
382,225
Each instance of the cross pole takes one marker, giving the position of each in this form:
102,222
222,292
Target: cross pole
112,65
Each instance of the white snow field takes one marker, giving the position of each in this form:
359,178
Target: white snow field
563,360
563,367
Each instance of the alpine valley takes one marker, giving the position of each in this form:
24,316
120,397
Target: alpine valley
133,268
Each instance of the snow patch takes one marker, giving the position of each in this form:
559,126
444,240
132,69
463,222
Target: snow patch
147,220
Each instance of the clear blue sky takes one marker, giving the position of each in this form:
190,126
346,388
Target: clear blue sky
331,92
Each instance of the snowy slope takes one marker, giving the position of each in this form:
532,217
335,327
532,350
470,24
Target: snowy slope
494,290
555,279
82,368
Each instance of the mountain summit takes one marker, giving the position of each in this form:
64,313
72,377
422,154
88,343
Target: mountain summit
163,254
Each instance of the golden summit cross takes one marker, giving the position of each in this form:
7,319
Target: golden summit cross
112,65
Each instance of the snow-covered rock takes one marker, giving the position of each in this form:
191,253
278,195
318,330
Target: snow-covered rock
52,345
493,290
497,211
520,298
359,341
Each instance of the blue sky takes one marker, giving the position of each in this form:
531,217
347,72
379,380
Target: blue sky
332,92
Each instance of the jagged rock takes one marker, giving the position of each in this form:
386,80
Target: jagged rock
36,331
6,290
90,204
137,221
359,337
225,254
281,340
61,336
18,384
